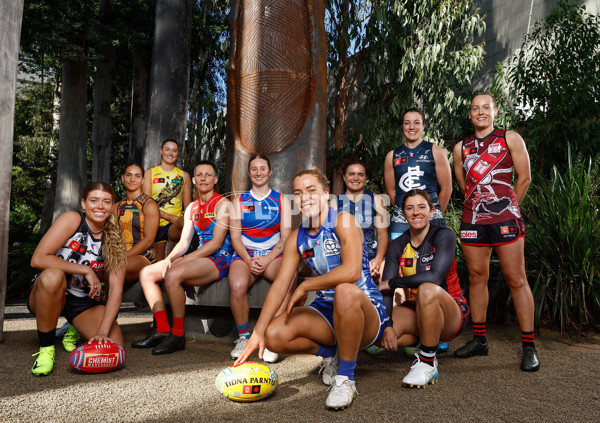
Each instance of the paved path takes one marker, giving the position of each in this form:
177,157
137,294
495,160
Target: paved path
180,387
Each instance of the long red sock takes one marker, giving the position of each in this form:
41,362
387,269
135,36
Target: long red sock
162,323
178,326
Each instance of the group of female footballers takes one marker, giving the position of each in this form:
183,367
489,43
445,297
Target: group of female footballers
369,290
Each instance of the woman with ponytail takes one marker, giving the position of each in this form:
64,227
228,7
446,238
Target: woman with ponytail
78,248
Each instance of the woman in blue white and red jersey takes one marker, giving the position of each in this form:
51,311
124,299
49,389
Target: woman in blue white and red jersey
484,165
262,221
423,259
347,313
72,255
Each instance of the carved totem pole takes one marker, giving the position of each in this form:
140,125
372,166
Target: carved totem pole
276,89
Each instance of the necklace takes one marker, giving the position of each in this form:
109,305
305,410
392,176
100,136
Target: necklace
93,231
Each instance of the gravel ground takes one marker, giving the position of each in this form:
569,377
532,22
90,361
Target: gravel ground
180,387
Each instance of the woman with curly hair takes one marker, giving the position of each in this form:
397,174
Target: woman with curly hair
77,248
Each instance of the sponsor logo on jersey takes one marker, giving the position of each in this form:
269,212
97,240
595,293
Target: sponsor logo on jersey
495,148
406,261
196,217
468,234
399,161
246,209
331,247
77,247
504,230
427,259
97,265
306,254
158,181
472,150
481,167
209,215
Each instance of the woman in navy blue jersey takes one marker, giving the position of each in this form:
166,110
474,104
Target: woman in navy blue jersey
261,223
347,313
423,260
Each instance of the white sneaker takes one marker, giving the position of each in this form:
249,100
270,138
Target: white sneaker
329,368
341,393
421,374
270,356
237,350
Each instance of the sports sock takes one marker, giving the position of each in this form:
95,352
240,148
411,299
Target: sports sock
427,354
326,351
162,324
243,330
528,339
346,368
178,326
479,332
46,339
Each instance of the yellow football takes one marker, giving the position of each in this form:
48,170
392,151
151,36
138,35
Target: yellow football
247,382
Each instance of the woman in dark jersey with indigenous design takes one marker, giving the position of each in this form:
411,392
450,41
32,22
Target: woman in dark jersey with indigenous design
262,221
417,164
70,256
484,165
369,211
137,216
347,313
423,259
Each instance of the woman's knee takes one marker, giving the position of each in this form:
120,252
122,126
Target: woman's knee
52,281
347,296
238,285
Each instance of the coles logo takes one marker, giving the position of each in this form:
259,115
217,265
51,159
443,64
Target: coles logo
504,230
468,234
77,247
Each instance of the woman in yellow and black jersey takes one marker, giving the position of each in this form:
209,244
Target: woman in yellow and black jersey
137,215
423,259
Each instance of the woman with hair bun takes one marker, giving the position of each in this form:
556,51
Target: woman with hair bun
71,255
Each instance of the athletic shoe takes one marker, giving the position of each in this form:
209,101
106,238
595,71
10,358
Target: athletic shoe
421,374
530,361
341,393
375,350
44,363
412,350
329,368
240,344
70,339
443,346
269,356
472,348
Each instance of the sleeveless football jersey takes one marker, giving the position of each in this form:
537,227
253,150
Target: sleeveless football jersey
489,194
82,248
204,219
130,217
414,168
364,212
167,191
322,252
261,220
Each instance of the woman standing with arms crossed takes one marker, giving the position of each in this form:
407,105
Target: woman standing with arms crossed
75,249
347,313
262,222
491,219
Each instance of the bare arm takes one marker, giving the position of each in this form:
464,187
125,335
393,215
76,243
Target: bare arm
520,158
459,171
187,190
389,179
444,176
147,183
285,228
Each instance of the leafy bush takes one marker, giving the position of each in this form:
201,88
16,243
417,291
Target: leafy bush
562,248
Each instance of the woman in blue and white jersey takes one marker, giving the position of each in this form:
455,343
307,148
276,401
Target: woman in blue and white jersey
348,312
261,223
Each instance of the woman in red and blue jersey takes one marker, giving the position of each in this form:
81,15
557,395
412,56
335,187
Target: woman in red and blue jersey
262,221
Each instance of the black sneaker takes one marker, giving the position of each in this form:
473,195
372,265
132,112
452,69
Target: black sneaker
471,348
530,361
171,344
152,340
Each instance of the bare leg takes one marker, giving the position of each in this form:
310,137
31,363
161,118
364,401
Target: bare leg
47,298
88,322
150,276
478,261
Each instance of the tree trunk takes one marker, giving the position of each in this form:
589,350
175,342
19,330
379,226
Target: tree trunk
169,77
11,15
139,108
72,164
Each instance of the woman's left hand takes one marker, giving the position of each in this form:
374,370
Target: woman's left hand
298,297
389,340
101,339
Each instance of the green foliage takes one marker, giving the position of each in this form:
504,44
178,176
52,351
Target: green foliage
562,245
410,53
554,81
19,272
